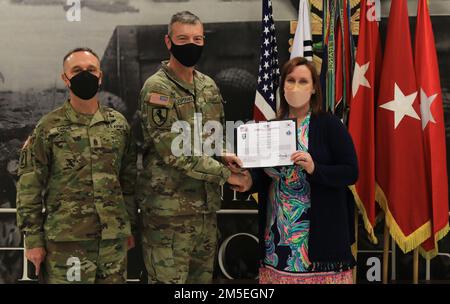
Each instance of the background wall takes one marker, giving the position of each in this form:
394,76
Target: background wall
128,34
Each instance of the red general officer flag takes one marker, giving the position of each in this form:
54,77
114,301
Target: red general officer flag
428,85
362,112
400,161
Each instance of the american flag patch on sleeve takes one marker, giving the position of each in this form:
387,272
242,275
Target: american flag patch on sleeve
158,99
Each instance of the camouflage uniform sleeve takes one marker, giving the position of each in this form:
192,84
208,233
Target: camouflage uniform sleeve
33,174
225,149
160,136
128,173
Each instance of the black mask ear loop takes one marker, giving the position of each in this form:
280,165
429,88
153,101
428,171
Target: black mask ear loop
171,43
68,80
66,76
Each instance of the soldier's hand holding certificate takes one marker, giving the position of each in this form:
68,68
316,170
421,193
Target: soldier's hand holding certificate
267,144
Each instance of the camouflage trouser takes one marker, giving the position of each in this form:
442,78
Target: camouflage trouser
100,261
180,249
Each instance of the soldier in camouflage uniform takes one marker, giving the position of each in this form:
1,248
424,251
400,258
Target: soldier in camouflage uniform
80,164
179,196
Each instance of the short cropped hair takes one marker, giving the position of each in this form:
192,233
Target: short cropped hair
80,49
184,17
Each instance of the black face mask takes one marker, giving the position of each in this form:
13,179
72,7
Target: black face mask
187,54
84,85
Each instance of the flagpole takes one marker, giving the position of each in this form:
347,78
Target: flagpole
386,253
416,266
393,260
355,272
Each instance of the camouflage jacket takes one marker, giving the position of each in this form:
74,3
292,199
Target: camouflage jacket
183,185
82,169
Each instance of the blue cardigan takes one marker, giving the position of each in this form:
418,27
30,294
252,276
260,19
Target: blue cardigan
332,203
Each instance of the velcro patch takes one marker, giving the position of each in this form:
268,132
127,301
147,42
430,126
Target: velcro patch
159,116
184,99
158,99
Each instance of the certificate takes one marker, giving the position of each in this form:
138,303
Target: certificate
267,144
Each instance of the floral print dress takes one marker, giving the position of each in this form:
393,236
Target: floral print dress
287,231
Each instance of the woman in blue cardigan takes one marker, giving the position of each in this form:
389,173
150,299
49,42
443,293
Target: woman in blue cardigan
306,209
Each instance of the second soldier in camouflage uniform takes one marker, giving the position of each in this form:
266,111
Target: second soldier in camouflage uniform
81,167
179,195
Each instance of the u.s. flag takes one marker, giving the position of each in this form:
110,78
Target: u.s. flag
269,71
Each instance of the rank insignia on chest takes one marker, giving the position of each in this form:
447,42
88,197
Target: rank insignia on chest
159,116
158,99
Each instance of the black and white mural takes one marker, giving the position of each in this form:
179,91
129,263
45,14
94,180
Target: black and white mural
128,36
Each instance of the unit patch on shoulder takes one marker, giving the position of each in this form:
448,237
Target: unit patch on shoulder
159,116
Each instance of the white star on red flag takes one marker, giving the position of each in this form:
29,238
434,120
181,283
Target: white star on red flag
359,78
402,105
425,108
